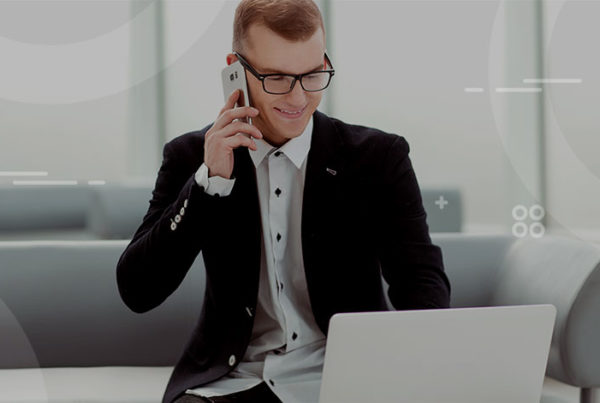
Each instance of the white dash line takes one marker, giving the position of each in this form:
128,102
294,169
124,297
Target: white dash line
552,80
23,173
46,183
473,89
96,183
518,89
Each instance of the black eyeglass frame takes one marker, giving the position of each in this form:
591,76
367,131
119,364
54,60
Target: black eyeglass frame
296,77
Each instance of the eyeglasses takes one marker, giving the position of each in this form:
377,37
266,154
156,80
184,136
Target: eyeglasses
279,84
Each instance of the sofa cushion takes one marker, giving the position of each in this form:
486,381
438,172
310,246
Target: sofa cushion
84,385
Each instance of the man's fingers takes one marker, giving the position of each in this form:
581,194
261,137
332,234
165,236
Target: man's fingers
232,129
241,140
232,114
231,100
239,113
242,127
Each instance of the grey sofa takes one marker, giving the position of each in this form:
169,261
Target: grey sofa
67,337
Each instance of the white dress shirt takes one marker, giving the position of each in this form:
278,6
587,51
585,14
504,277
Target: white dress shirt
287,347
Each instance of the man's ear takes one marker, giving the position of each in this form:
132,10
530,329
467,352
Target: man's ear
231,58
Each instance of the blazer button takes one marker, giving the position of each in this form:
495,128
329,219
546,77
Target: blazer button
232,360
177,218
173,226
185,203
182,211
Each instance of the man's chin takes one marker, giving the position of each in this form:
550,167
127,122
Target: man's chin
291,129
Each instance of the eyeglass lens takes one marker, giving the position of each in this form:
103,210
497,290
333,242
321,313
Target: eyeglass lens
311,82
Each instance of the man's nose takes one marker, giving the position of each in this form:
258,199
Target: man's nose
297,96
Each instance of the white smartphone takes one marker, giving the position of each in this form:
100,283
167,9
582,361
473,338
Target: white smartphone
234,78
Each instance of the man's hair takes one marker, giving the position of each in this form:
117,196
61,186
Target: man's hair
295,20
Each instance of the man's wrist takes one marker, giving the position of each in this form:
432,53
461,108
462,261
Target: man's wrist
215,184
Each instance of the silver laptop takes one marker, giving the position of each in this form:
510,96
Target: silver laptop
464,355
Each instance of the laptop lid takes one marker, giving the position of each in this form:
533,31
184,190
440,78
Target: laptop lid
464,355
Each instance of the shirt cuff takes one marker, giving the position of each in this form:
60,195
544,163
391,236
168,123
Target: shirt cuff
215,185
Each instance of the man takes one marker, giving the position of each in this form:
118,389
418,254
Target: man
297,216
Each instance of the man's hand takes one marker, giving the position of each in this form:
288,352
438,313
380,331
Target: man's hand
225,135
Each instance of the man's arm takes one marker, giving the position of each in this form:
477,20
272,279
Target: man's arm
182,212
410,263
167,243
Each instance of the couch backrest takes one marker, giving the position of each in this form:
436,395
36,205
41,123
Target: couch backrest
444,209
24,208
472,263
116,211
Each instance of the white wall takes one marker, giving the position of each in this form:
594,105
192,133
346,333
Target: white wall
197,39
402,66
78,92
63,88
572,118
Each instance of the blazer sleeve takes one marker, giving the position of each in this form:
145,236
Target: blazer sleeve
410,263
171,234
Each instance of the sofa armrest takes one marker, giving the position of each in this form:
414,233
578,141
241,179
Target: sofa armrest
566,273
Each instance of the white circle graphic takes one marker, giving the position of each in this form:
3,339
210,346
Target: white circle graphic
98,67
519,212
537,230
519,229
536,212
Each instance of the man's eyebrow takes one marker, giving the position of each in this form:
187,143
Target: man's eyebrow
272,71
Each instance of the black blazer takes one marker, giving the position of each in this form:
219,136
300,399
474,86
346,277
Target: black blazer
362,216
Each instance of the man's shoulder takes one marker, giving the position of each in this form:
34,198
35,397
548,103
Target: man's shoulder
367,139
191,139
187,148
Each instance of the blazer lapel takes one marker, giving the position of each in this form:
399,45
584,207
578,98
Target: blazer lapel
324,175
246,225
324,170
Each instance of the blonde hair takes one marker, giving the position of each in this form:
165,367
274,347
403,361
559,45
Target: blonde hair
295,20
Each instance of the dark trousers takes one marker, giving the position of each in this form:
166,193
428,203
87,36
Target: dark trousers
259,393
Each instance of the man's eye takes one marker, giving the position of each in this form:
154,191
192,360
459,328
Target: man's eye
277,78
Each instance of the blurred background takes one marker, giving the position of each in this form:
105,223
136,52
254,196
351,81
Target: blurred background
498,100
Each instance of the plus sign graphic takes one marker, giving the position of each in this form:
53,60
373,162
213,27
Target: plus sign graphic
441,202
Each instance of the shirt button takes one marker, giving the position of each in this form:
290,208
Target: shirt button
217,195
294,336
277,192
278,153
278,236
271,382
232,360
173,226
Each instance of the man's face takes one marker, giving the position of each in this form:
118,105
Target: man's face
282,117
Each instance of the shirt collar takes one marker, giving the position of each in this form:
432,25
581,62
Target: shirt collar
295,149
